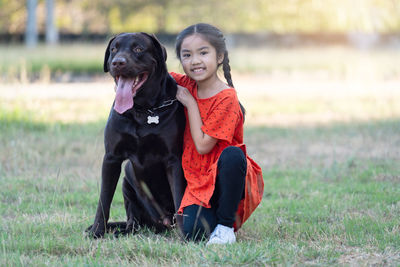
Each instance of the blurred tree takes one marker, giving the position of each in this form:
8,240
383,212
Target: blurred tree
31,36
282,16
12,16
128,15
51,30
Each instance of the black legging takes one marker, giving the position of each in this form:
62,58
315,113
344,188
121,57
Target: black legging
199,222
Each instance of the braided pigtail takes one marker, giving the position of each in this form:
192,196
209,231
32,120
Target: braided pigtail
227,74
227,69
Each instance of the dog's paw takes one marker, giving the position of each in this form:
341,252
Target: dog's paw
121,233
130,229
94,232
124,232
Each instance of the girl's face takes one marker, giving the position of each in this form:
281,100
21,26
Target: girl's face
199,58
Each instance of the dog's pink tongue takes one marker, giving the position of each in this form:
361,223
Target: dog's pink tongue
124,95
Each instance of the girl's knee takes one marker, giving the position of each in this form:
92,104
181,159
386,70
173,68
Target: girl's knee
233,155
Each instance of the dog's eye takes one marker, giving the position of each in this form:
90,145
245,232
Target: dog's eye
114,49
137,49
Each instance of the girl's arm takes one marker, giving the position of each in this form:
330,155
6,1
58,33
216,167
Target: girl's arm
203,142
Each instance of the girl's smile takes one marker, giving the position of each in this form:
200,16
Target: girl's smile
199,59
198,70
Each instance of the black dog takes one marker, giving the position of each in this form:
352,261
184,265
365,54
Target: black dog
145,127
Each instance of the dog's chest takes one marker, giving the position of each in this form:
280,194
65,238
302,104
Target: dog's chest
133,137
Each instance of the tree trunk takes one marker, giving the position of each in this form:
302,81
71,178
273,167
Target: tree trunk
31,35
51,29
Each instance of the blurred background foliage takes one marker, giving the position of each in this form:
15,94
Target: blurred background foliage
233,16
335,38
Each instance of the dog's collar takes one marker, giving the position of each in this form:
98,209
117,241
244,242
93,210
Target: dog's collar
153,118
166,103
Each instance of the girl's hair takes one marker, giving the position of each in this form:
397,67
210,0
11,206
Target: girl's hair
215,37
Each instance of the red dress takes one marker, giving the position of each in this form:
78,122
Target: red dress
222,119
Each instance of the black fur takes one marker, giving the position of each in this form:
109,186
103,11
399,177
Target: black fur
153,185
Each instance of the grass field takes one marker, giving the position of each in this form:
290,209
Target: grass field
329,149
65,62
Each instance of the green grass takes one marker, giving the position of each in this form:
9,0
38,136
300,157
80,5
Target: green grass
329,155
332,197
18,63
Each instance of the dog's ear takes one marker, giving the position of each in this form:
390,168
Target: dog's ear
164,51
107,55
159,46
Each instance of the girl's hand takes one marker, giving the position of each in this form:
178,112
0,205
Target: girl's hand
183,95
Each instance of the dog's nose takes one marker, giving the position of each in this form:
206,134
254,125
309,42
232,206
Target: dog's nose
118,62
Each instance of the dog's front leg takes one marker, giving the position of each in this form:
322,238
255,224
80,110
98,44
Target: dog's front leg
111,171
177,184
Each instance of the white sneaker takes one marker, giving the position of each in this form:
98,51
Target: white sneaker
222,235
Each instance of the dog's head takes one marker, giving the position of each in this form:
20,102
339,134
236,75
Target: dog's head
133,59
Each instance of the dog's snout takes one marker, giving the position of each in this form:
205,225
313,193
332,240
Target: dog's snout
118,62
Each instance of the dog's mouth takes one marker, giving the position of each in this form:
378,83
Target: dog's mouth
126,91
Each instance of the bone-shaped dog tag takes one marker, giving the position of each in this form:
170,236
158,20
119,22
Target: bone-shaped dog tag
152,119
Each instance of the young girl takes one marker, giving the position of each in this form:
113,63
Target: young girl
224,185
